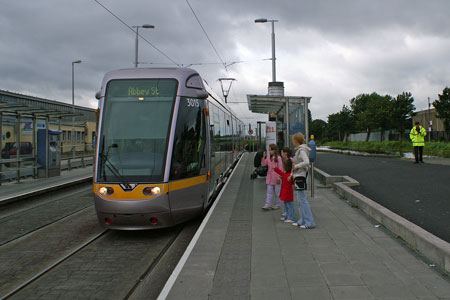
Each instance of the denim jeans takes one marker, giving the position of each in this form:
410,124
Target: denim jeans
305,214
289,209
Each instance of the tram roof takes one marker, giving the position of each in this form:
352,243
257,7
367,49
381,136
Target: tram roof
150,73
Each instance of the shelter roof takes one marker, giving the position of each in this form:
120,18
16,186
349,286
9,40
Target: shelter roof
8,108
266,104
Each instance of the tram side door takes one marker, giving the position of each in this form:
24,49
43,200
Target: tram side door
189,165
209,153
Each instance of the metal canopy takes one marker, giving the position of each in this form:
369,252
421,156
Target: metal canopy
23,110
265,104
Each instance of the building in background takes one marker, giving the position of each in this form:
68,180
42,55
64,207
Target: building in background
37,134
16,108
427,118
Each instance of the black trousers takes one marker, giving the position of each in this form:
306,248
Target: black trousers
418,152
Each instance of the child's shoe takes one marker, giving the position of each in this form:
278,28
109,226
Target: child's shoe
275,207
289,221
266,207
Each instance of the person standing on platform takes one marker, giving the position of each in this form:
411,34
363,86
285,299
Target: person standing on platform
286,153
300,168
287,192
417,136
312,146
273,180
280,140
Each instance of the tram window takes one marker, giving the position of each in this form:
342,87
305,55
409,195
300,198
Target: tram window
190,139
216,133
216,121
135,125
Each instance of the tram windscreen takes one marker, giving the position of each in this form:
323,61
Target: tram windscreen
135,128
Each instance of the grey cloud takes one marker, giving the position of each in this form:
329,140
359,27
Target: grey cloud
40,39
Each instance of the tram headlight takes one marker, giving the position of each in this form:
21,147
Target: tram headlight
151,191
106,191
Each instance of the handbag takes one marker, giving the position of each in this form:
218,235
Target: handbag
300,183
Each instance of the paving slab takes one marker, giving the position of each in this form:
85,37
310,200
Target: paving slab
244,252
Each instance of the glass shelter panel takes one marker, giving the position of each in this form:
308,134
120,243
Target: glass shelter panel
296,118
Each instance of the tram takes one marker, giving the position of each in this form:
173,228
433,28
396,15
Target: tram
166,144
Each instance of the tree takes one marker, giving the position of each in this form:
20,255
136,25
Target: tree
442,107
318,129
310,120
347,121
402,109
360,107
341,123
372,112
333,127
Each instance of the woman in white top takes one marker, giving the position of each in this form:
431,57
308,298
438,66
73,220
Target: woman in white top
300,168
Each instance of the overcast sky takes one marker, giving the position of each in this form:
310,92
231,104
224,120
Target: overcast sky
326,49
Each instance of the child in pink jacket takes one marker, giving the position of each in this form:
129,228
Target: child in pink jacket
273,180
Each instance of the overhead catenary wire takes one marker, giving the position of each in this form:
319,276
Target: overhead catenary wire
206,34
124,23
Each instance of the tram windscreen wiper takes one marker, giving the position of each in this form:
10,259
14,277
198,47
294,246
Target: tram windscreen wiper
111,167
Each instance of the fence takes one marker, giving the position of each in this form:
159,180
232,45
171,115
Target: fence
26,166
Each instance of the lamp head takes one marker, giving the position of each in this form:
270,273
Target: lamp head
260,20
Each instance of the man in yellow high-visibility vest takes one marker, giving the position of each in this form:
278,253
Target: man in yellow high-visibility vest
417,136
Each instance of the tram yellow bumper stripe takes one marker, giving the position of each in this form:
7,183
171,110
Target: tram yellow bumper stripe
185,183
135,194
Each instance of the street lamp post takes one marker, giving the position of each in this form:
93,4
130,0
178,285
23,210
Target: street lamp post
226,91
136,62
274,76
73,107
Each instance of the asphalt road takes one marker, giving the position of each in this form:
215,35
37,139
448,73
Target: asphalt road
418,192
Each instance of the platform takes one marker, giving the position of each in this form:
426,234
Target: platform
13,191
242,252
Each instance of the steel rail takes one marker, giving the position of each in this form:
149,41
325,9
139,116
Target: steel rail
46,270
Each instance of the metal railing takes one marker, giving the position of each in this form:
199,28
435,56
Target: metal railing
78,155
26,166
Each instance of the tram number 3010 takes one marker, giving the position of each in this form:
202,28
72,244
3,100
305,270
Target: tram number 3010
192,102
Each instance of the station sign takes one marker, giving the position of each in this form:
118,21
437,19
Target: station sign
271,134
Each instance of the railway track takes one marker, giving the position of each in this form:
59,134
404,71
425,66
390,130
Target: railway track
68,255
19,219
50,267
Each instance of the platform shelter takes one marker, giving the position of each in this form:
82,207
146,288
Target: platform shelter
289,112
